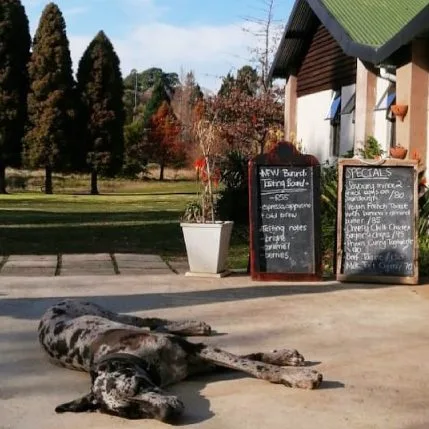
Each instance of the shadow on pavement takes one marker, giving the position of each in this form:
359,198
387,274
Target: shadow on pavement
33,308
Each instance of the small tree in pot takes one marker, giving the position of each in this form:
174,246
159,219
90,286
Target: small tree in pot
206,239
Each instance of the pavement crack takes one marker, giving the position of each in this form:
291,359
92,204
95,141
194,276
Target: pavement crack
3,261
171,267
114,263
59,265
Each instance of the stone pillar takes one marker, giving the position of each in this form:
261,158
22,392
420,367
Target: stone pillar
412,90
290,108
366,92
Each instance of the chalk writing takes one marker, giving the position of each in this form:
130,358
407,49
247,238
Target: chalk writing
286,219
377,230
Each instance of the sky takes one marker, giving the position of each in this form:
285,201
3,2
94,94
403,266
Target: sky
208,37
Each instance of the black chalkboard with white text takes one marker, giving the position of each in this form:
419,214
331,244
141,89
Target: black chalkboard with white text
284,213
377,222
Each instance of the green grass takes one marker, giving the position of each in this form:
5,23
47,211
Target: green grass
143,221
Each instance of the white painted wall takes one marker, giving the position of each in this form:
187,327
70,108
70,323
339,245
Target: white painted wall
312,128
381,125
347,121
315,131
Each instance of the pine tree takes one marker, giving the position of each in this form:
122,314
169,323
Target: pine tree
101,89
49,139
14,55
159,95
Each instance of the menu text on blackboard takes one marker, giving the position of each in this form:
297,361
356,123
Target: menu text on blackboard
284,217
378,221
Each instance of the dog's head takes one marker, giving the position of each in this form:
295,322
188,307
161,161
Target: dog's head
124,386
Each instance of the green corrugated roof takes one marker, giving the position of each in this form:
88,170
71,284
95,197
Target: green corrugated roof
374,22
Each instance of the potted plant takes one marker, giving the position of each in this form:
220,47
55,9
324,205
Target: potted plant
398,152
371,149
206,239
399,110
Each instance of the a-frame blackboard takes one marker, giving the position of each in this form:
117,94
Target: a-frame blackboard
284,195
377,221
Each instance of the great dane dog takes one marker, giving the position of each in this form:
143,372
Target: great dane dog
132,359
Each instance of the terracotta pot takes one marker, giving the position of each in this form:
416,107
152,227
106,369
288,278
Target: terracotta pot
398,152
399,110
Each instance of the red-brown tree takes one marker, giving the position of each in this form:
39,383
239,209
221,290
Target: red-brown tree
245,121
164,145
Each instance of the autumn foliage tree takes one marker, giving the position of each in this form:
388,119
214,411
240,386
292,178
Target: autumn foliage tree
51,97
101,89
245,120
186,96
165,146
15,44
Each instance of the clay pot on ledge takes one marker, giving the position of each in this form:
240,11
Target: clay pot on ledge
398,152
399,110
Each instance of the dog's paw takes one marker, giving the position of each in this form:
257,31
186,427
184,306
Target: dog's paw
188,328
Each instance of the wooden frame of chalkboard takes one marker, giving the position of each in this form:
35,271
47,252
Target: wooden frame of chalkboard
377,221
284,214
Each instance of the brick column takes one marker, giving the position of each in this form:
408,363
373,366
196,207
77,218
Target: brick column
290,107
366,91
412,90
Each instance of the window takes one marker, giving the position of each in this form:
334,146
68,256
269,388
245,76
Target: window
349,107
387,99
334,116
335,106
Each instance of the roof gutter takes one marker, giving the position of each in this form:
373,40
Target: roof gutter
388,73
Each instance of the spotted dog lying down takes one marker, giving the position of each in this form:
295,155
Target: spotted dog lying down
131,359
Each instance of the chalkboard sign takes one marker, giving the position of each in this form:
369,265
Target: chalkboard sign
377,218
284,215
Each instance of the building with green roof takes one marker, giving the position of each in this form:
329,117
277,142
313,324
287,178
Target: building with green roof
346,63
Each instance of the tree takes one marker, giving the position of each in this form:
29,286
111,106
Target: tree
136,151
158,97
101,89
268,33
228,83
139,87
14,55
186,95
246,122
49,139
247,80
163,139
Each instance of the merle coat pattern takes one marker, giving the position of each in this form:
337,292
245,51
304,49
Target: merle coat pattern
132,359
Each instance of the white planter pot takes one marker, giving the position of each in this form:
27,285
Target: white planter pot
207,246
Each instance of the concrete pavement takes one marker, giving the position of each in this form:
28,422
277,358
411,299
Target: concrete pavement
370,342
99,264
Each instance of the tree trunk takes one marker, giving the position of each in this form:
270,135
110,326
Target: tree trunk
3,179
94,185
48,181
161,172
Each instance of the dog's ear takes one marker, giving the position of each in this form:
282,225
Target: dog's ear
80,405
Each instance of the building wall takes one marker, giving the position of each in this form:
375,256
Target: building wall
381,125
312,128
315,131
325,66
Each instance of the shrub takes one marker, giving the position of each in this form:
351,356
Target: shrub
233,201
329,185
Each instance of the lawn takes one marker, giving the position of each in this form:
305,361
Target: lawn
137,216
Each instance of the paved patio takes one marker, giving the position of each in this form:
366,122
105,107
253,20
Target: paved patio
100,264
371,343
